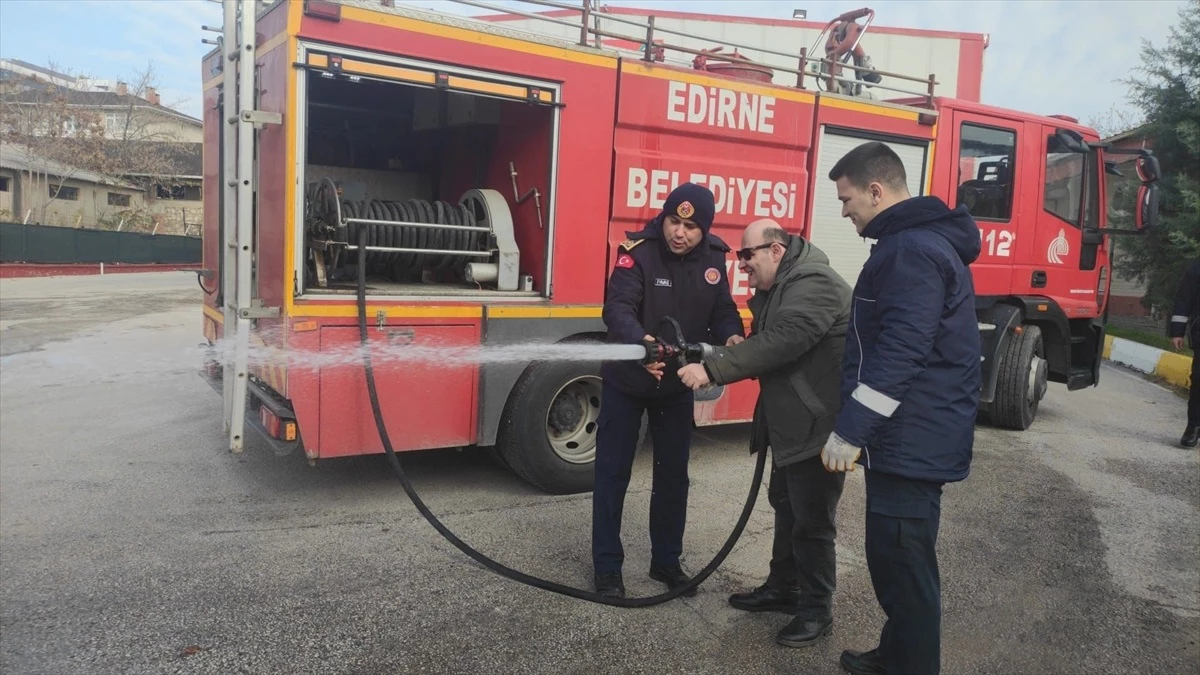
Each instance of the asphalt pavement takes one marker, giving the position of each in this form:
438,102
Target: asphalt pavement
132,541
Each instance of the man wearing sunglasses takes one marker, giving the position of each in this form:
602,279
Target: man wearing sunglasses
673,267
801,308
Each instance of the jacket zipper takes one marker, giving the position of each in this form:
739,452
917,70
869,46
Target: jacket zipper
858,378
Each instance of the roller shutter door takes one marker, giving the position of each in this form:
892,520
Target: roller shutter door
834,234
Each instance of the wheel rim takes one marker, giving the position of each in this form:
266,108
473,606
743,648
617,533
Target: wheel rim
572,418
1037,379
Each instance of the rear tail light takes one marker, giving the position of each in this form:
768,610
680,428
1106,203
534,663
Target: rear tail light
277,427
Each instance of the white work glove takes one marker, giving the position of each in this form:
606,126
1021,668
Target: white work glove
838,454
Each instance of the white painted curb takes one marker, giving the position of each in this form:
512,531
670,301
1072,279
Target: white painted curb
1175,368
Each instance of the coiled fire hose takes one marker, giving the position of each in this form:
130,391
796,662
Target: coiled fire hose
488,562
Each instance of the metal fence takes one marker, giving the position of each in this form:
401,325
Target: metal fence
64,245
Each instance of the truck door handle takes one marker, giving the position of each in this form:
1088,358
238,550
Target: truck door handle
1039,279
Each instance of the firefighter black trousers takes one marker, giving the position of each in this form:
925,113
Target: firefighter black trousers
803,556
901,539
671,420
1194,393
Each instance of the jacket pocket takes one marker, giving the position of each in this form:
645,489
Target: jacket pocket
820,420
807,394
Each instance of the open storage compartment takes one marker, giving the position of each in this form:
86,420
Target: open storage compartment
448,172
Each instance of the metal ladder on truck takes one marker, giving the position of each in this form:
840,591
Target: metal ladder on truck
241,308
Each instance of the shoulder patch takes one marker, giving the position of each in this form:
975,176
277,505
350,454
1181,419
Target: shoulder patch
628,244
624,261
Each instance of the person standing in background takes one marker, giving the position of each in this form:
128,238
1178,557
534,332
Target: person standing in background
1185,322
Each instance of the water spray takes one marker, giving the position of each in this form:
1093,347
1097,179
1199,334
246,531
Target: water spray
656,351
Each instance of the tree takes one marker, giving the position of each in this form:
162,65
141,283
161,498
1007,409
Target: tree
136,140
1166,88
66,129
57,139
1115,120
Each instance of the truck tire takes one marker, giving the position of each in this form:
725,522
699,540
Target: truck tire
547,434
1022,381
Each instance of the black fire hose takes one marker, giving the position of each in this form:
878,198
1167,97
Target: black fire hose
488,562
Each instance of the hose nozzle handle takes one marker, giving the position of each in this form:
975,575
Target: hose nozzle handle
659,352
665,352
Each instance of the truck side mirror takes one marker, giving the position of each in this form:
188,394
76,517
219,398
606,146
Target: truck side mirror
1147,169
1070,141
1146,215
1110,168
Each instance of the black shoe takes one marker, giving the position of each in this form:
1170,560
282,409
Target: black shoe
802,632
1190,436
766,599
862,663
673,577
610,584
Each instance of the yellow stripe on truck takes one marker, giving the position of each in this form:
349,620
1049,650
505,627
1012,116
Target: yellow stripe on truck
588,57
390,311
569,312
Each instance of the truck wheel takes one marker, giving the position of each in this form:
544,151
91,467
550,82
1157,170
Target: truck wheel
1022,382
547,435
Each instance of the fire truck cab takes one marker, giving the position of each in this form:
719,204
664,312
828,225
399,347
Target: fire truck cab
487,175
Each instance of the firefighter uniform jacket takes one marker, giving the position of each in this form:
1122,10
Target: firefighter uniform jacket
648,283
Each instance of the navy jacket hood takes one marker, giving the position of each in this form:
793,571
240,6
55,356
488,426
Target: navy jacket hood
930,213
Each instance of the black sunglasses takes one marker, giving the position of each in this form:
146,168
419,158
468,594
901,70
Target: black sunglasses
746,254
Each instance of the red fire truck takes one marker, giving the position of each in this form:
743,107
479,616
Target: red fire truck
491,173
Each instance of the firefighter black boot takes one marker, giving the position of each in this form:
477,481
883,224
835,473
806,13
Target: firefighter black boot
610,584
1190,436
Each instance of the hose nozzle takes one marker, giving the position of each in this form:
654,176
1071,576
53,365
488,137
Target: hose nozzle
679,352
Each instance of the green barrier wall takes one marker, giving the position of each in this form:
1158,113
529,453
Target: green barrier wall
65,245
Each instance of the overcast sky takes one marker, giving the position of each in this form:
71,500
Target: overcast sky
1045,57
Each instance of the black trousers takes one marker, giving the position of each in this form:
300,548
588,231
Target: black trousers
1194,393
901,541
671,421
803,557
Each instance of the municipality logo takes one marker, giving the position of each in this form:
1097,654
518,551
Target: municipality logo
1059,247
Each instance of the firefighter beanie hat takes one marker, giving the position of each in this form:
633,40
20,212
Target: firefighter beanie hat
691,202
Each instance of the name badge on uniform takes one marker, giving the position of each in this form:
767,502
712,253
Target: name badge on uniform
665,283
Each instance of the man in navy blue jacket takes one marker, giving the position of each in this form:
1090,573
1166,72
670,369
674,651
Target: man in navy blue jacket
910,389
673,267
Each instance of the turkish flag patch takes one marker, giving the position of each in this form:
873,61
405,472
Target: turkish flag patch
625,261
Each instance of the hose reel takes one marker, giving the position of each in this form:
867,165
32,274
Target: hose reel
470,241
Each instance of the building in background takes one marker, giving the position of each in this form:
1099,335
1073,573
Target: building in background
956,59
1125,296
39,190
98,128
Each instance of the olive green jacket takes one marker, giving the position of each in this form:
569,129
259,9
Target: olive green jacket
795,350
